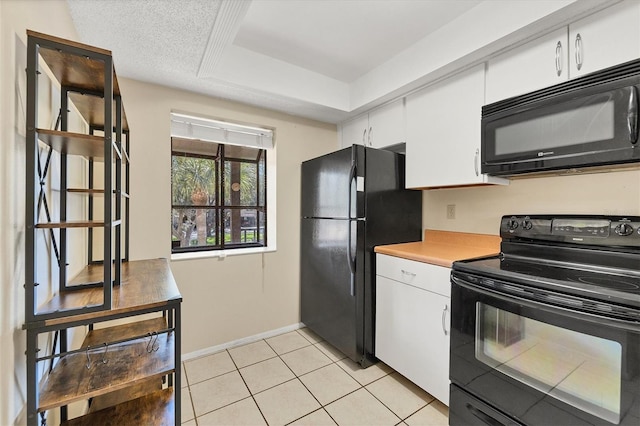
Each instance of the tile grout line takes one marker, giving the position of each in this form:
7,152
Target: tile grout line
389,408
188,387
247,386
322,406
296,376
383,404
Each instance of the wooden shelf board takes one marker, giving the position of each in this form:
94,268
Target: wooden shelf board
99,336
155,409
76,71
70,224
145,284
92,109
93,191
90,274
128,364
73,143
118,397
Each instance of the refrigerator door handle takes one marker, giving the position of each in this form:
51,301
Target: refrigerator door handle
351,260
352,179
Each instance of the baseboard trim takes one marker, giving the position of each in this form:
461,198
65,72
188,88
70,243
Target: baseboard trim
244,341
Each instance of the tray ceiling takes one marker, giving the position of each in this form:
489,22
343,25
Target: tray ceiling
322,59
298,57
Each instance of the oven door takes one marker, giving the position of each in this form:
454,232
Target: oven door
541,364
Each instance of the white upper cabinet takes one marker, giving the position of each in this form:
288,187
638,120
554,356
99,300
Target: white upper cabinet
381,127
540,63
604,39
386,125
601,40
355,131
443,133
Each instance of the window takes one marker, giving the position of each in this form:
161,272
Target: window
218,185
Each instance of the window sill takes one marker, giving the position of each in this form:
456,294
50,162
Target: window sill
221,254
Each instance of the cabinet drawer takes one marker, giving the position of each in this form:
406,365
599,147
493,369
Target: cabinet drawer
418,274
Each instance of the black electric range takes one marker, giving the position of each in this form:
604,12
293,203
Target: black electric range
548,331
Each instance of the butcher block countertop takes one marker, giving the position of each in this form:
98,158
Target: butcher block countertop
444,247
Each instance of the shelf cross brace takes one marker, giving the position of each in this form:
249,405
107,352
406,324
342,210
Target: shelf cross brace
42,199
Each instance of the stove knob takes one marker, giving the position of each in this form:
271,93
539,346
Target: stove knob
624,229
526,223
512,224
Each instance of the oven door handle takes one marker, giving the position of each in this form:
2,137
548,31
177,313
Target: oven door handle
572,313
482,416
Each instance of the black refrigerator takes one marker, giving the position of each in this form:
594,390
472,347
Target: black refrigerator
352,200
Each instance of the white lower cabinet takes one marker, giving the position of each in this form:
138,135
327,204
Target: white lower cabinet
413,324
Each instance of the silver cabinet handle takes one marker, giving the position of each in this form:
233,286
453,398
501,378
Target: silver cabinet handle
364,137
444,317
475,161
369,138
578,51
559,58
407,274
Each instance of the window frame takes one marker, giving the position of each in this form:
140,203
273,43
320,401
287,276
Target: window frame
221,247
201,129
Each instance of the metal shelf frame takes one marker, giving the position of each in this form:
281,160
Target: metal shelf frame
171,311
80,69
35,179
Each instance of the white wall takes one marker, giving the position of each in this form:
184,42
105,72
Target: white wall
15,17
239,296
223,299
479,209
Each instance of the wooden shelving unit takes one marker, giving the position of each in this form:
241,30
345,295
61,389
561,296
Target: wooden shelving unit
128,373
158,409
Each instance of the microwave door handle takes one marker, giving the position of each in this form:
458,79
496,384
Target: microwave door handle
632,115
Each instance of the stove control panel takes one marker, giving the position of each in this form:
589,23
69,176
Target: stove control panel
588,229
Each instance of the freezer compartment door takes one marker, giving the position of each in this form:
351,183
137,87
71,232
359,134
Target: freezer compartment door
333,185
331,283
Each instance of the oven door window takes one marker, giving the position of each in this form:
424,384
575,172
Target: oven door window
576,368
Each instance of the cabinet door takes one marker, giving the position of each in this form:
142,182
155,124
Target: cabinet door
412,334
604,39
355,131
443,133
386,125
535,65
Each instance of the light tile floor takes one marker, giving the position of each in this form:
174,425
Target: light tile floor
296,378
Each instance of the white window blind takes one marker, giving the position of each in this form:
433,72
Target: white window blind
191,127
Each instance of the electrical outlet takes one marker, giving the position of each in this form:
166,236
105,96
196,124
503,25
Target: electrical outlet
451,211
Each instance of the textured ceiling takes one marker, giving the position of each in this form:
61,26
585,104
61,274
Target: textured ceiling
299,57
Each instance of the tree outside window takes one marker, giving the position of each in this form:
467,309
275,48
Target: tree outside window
218,196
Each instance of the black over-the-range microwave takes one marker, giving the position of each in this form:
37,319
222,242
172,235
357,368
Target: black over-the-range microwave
588,123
